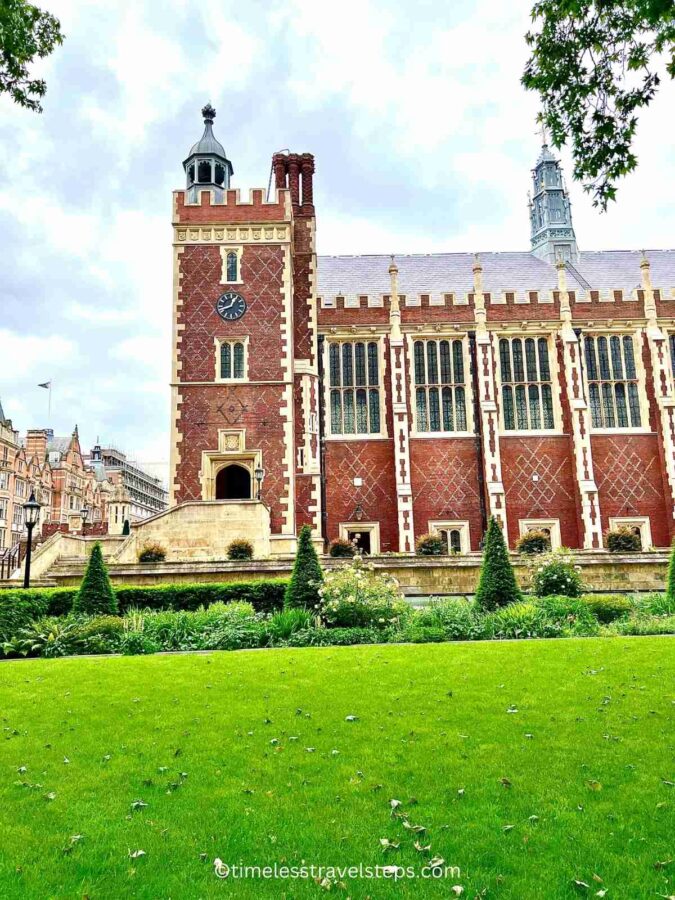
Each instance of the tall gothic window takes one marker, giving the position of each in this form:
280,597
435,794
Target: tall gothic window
232,359
613,392
232,266
440,392
354,379
527,397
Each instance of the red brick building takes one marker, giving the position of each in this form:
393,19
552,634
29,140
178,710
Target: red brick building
387,397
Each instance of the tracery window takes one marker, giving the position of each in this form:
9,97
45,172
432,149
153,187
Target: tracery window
354,380
525,374
440,386
611,375
232,359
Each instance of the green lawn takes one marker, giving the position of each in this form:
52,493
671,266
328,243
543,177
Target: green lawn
530,764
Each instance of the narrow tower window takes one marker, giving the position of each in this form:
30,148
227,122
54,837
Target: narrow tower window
232,266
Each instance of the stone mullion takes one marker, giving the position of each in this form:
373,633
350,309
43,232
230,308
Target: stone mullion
488,405
401,423
662,380
581,422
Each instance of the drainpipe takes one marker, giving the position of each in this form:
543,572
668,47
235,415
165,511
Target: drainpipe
479,431
322,444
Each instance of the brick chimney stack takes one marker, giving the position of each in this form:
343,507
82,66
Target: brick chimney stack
36,443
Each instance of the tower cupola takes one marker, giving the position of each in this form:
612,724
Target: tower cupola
552,232
207,167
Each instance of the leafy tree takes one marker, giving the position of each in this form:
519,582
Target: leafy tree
594,64
307,577
25,32
497,585
96,595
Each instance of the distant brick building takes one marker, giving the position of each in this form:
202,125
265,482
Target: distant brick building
54,469
387,397
145,493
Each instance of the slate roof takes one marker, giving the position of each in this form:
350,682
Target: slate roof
436,273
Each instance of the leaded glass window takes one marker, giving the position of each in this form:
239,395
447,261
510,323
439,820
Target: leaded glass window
527,394
613,388
440,389
232,359
232,266
354,387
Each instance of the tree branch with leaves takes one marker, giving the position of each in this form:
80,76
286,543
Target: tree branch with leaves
595,64
26,32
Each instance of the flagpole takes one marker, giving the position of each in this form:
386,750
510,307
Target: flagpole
49,403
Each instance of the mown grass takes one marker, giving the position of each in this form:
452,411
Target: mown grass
471,738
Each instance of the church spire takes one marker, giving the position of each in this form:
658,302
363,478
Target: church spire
552,232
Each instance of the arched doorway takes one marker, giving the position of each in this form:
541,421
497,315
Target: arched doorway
233,483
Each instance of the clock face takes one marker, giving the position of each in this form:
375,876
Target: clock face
231,306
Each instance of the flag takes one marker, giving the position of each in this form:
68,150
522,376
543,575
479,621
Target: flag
47,384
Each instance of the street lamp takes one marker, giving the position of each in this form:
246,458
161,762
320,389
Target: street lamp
31,514
84,513
259,475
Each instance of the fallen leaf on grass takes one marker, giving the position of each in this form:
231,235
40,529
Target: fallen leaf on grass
386,844
505,782
138,804
594,785
136,854
351,718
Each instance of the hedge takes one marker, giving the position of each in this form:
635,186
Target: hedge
18,607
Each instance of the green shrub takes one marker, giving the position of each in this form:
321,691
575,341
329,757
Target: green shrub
644,625
303,588
521,620
608,607
18,609
150,553
497,585
264,596
571,614
100,634
458,619
341,547
287,621
623,540
431,544
356,596
135,643
557,574
335,637
420,634
96,593
240,549
49,637
653,604
533,542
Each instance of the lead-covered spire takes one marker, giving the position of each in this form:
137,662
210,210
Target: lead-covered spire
552,232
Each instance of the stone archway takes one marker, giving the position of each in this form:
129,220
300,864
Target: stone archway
233,482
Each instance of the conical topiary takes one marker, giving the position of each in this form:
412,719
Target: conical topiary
303,588
96,595
497,585
670,584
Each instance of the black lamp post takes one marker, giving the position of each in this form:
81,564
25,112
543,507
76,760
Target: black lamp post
84,513
32,514
259,475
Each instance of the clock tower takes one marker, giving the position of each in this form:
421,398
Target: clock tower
244,378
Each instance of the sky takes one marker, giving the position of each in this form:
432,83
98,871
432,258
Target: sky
423,138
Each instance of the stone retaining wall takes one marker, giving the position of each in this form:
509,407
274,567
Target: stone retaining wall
445,575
